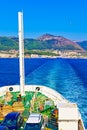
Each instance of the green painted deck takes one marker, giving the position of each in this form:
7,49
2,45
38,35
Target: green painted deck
34,102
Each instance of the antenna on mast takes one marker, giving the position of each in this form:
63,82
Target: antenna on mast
21,53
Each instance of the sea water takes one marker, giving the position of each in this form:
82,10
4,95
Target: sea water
67,76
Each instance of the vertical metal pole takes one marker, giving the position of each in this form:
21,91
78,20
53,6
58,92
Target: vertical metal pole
21,53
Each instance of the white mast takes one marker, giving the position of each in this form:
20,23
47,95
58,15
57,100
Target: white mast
21,53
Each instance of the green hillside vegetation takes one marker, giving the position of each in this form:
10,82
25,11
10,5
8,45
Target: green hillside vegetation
8,43
40,52
31,44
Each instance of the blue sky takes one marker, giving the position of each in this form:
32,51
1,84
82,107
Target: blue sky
66,18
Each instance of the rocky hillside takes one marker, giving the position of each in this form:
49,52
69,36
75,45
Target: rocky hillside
59,42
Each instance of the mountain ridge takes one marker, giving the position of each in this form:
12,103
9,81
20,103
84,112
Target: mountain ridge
44,42
59,41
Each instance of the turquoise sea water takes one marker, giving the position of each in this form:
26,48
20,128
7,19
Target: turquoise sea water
67,76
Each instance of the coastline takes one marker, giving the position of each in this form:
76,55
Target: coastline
64,54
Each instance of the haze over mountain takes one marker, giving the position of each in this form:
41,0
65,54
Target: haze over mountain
44,42
83,44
